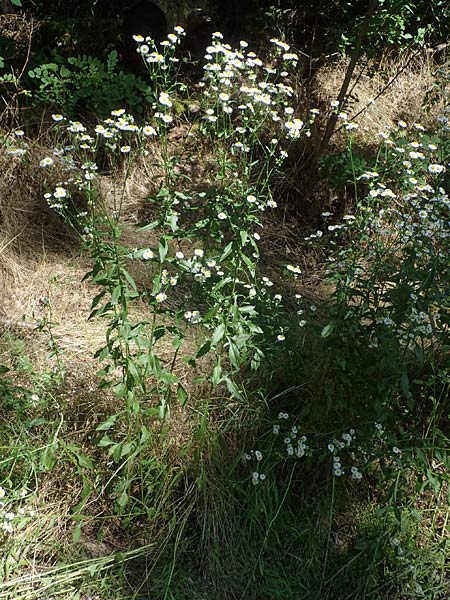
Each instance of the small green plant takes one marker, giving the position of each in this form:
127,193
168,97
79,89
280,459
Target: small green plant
87,83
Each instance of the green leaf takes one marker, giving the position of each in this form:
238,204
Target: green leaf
182,395
163,193
159,333
105,441
234,354
120,390
250,264
247,309
327,330
129,279
149,226
48,458
16,2
108,423
227,251
204,349
116,294
216,374
168,378
123,499
126,449
218,334
233,389
76,534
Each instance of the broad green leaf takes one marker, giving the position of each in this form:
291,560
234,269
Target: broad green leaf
123,499
149,226
204,349
218,334
216,374
327,330
182,395
232,388
108,424
105,441
234,354
168,378
163,249
76,534
226,252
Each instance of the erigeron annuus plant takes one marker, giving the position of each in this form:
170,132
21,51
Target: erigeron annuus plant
207,240
238,101
389,263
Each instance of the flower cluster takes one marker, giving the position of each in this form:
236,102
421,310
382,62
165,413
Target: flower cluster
349,457
10,516
250,91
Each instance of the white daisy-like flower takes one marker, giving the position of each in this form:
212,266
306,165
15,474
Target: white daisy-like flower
164,99
125,149
148,130
60,192
138,38
46,162
57,117
148,254
160,297
118,112
155,57
165,118
294,269
76,127
436,169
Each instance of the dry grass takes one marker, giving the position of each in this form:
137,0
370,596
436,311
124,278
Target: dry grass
398,85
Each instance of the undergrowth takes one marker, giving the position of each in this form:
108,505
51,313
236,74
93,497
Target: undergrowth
244,436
